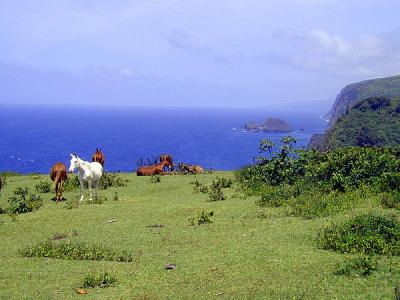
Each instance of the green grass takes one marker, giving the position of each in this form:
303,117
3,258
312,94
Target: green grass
239,256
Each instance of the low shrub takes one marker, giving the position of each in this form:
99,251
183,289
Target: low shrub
99,199
202,218
72,203
22,201
64,235
155,179
115,197
366,234
2,182
199,187
361,265
111,180
43,187
390,200
261,214
318,204
72,183
215,193
222,182
69,250
275,197
102,280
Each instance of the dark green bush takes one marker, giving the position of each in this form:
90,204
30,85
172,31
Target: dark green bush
43,187
22,201
361,265
102,280
69,250
367,234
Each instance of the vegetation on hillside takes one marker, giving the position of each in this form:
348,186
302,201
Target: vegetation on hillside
355,92
371,122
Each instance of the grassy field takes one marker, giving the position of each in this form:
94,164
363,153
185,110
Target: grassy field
243,254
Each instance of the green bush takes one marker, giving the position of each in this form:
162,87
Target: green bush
367,234
275,197
111,180
342,169
155,179
361,265
99,199
72,183
314,204
390,200
43,187
202,218
222,182
215,193
69,250
72,203
102,280
199,187
115,197
22,201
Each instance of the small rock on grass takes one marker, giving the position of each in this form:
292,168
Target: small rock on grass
170,267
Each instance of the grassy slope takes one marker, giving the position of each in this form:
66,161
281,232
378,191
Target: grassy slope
383,123
239,255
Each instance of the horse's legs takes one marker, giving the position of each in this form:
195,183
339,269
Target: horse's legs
58,191
90,189
96,187
61,189
81,182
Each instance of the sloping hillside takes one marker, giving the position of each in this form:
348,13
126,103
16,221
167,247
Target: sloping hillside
355,92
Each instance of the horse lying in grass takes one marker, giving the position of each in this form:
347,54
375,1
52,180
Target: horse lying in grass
58,174
153,170
88,172
99,157
191,169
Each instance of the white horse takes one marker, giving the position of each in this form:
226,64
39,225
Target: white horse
89,172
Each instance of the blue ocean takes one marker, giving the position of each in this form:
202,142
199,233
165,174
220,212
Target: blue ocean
34,137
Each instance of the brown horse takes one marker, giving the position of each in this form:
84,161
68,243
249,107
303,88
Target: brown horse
99,157
168,158
153,170
192,169
58,174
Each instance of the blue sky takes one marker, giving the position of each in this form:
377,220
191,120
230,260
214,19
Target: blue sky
258,53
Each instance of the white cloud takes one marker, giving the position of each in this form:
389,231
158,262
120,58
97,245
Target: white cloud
319,50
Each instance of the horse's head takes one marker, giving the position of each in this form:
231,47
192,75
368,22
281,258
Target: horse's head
74,162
